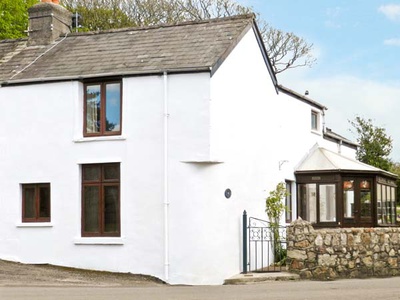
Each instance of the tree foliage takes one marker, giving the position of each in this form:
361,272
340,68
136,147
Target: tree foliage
286,50
274,205
375,145
14,18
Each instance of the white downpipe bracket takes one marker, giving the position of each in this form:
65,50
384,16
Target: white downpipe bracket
166,199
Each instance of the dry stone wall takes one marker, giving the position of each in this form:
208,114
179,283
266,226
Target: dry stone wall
327,254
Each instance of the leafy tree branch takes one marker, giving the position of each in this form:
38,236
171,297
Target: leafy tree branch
375,146
286,50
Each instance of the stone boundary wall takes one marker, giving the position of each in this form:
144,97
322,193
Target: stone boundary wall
327,254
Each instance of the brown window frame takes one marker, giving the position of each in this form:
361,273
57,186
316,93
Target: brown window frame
102,131
101,183
36,187
301,204
386,200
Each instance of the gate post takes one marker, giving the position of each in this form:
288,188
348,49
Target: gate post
244,242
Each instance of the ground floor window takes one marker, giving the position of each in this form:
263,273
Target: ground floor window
318,202
36,202
386,203
308,202
327,202
347,199
101,199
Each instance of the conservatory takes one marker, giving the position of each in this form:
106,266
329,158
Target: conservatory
337,191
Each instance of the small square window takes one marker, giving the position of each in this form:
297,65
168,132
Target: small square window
36,202
314,120
102,109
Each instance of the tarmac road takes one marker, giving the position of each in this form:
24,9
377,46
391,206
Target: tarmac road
386,288
47,282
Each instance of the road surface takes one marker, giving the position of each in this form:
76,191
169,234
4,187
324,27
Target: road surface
387,289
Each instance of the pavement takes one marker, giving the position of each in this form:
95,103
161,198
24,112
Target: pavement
251,278
18,274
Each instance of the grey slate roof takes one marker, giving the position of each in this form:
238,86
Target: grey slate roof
188,46
333,136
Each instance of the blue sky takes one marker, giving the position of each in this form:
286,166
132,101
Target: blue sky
357,46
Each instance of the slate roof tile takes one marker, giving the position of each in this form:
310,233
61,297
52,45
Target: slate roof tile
190,45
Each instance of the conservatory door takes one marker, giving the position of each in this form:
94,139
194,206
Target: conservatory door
357,202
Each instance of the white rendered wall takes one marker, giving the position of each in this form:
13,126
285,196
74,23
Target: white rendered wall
230,131
341,149
205,226
297,137
42,144
41,141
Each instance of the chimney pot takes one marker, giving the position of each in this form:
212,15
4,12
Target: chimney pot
51,1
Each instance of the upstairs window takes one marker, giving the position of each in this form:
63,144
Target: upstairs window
314,120
36,202
102,109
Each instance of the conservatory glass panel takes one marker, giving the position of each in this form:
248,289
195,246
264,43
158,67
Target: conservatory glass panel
327,203
348,198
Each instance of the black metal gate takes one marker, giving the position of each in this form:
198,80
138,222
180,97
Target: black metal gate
264,246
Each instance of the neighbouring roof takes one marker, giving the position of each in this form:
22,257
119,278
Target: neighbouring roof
301,97
321,159
188,46
333,136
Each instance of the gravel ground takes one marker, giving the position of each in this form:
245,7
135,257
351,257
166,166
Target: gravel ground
17,274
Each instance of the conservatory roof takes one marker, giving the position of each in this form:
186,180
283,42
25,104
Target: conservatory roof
321,159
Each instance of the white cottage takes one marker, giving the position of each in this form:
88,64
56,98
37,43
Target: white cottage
137,150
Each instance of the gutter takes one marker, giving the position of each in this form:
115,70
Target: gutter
301,97
352,171
101,75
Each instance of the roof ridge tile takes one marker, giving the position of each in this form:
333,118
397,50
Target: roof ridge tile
196,46
167,25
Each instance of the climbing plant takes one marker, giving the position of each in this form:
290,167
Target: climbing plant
275,207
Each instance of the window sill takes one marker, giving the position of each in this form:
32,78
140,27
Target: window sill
317,132
99,241
99,139
199,161
34,224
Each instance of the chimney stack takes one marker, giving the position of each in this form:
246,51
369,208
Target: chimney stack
47,21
